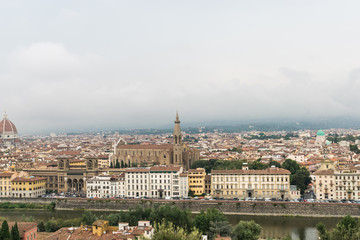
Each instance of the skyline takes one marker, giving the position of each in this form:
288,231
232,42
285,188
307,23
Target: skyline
122,65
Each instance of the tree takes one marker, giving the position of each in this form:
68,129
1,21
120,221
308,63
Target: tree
111,165
291,165
117,165
274,163
301,179
323,233
88,218
15,235
168,231
4,232
222,228
346,229
257,165
41,227
202,221
122,164
246,230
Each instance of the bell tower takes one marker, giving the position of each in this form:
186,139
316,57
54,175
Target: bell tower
178,147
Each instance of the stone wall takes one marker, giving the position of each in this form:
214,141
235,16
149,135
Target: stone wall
227,207
231,207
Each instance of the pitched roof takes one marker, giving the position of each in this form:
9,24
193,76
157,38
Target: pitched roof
139,146
260,172
324,172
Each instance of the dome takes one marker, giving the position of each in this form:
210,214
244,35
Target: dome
320,133
6,126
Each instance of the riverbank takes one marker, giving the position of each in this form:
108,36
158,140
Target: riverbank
195,206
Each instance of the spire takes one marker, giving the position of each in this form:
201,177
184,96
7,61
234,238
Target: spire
177,120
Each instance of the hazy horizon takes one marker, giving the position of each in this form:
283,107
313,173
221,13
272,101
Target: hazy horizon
75,65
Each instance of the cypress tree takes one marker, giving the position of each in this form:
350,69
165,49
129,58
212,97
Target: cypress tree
117,164
4,232
122,164
15,235
111,165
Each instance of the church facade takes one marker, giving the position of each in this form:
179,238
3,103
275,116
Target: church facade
177,153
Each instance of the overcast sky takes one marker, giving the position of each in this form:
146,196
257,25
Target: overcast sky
67,65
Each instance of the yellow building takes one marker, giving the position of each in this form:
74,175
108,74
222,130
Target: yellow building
28,187
196,179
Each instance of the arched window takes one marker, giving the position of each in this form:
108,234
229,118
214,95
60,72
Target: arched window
175,139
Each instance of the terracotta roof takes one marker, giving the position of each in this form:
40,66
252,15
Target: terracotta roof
7,126
324,172
6,174
196,170
138,170
138,146
27,179
23,227
261,172
165,168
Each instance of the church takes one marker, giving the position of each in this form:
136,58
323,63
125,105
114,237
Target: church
8,133
177,153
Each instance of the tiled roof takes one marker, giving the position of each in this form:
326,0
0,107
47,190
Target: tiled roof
260,172
27,179
324,172
165,168
138,146
7,126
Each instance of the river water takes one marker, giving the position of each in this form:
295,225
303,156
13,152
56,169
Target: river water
275,227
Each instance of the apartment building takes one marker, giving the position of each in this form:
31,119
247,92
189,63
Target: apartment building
269,183
28,187
197,180
5,184
106,186
156,182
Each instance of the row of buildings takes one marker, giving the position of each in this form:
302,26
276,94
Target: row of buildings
331,182
174,182
21,185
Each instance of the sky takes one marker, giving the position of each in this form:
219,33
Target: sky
105,64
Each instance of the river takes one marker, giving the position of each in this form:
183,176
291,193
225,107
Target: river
274,227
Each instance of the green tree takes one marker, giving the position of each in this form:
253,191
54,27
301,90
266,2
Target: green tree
323,233
246,230
202,221
4,232
222,228
15,235
88,218
301,179
346,229
122,164
257,165
291,165
111,165
117,164
274,163
168,231
41,226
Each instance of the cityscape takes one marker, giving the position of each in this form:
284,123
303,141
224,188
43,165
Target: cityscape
179,120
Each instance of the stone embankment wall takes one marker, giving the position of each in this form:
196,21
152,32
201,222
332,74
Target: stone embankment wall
231,207
227,207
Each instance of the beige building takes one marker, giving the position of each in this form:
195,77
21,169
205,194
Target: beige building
269,183
138,155
197,180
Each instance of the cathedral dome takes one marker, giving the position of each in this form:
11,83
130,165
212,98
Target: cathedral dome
6,126
320,133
